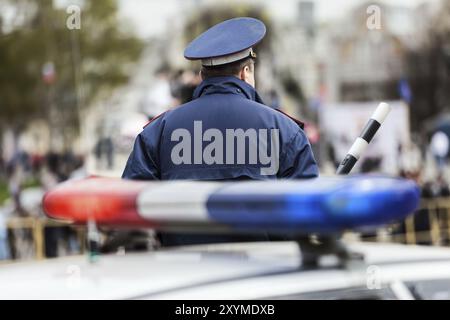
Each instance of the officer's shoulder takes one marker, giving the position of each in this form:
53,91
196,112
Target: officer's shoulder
154,119
295,120
164,115
283,116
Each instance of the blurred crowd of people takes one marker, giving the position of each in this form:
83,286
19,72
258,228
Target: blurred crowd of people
170,88
26,177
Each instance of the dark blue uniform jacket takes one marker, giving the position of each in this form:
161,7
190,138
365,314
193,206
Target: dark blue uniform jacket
161,152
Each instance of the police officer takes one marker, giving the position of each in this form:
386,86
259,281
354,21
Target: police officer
202,139
225,132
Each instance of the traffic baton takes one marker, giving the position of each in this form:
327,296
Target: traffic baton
361,143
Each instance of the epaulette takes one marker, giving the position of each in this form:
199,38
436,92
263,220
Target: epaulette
298,122
153,119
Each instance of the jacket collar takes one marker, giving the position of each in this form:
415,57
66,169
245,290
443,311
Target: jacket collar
227,85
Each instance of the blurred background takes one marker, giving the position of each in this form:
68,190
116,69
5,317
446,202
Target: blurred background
79,80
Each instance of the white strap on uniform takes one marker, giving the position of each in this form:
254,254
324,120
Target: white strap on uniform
217,61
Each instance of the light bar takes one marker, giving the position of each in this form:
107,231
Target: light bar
303,206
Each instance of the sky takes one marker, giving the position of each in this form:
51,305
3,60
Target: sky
150,17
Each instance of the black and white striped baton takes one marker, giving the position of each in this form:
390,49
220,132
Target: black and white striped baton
361,143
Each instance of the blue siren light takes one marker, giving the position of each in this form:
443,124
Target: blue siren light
321,205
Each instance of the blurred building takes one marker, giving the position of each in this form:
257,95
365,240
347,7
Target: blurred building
364,62
296,49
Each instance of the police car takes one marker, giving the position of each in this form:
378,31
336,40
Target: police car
260,270
264,270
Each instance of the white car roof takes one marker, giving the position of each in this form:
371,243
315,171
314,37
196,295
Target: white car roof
225,271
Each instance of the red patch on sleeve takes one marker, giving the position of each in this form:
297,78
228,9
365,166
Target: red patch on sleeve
300,124
153,119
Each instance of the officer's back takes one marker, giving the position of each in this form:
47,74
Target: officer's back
222,134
